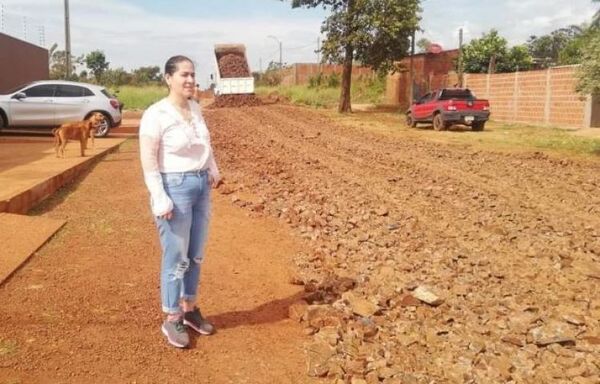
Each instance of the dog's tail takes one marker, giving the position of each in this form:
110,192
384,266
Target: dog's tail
56,139
55,134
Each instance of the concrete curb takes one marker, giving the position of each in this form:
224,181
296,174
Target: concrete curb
22,202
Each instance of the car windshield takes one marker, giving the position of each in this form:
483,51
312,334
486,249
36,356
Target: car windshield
15,89
457,94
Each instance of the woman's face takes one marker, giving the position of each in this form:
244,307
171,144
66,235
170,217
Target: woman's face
183,81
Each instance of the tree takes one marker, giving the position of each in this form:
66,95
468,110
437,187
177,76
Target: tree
596,19
116,77
96,63
145,75
548,49
423,44
490,53
374,32
58,64
589,71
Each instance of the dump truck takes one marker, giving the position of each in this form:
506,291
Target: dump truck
233,75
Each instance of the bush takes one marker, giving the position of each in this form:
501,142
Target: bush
333,80
321,80
270,78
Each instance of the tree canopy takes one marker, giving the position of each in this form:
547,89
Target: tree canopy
589,72
491,53
96,62
373,32
555,48
423,45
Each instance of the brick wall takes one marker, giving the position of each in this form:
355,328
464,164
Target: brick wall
545,97
21,62
301,73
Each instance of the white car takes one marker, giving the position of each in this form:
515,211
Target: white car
51,103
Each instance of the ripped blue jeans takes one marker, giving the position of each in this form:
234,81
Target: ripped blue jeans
183,237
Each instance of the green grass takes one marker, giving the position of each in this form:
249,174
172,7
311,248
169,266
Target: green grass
550,138
363,92
303,95
139,97
496,136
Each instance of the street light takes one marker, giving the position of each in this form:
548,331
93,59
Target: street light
278,41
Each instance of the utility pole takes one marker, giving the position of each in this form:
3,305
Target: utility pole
280,53
67,40
280,56
319,51
412,68
460,58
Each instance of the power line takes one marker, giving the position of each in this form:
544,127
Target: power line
301,47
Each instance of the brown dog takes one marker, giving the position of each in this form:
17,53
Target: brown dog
80,130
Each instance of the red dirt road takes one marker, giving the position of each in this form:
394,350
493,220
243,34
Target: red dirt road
507,243
85,308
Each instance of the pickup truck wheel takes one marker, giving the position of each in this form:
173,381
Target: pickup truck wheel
478,125
410,121
438,123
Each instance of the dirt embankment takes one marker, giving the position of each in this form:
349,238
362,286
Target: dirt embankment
426,261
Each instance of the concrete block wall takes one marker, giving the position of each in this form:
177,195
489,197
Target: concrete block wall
301,73
545,97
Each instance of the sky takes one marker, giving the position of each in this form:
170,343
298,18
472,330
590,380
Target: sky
134,33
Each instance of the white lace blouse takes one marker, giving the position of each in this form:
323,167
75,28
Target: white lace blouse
170,144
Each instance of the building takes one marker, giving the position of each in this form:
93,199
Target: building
430,71
21,62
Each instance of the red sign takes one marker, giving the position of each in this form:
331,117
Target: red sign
434,48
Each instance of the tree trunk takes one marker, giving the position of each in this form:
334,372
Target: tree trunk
345,105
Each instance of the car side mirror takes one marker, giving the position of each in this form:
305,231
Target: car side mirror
212,77
19,96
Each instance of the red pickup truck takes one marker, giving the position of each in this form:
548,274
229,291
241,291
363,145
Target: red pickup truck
448,106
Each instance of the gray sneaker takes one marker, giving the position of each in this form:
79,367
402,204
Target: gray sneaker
194,320
176,333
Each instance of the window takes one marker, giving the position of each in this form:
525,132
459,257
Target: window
69,91
457,94
87,92
107,94
45,90
425,98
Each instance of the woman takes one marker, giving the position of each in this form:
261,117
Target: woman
179,170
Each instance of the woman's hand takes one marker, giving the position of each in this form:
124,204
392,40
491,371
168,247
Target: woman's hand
214,182
166,216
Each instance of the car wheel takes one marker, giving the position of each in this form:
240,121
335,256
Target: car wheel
104,127
478,125
410,121
438,123
2,122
